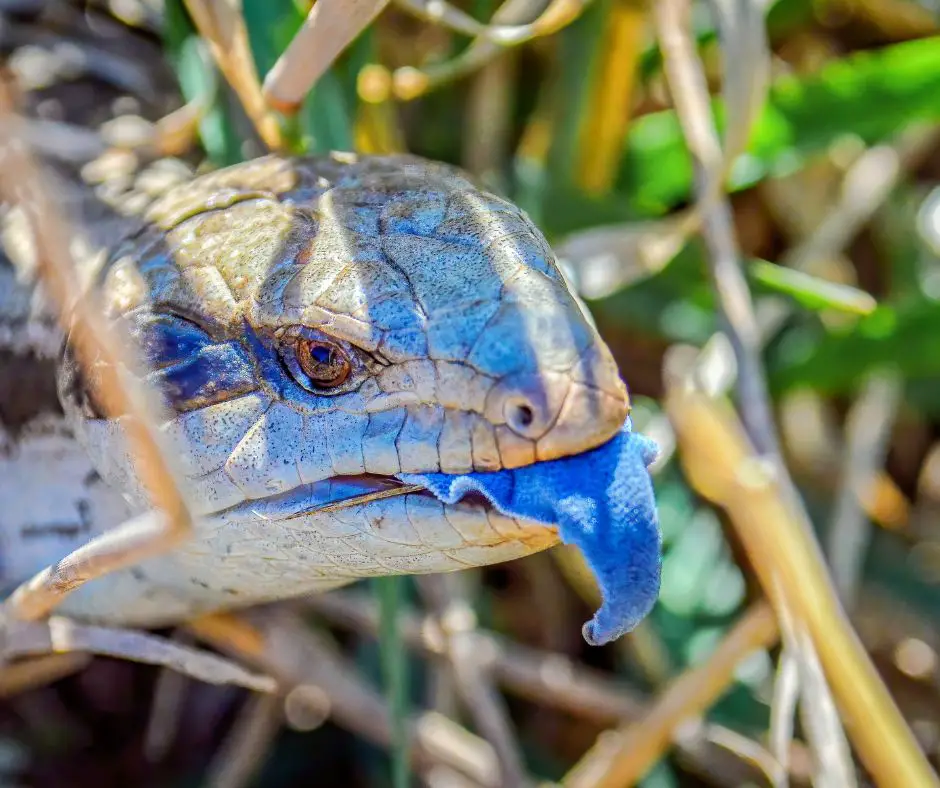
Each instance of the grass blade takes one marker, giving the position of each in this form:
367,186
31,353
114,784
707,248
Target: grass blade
393,657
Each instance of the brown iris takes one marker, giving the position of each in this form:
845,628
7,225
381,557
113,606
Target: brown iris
325,364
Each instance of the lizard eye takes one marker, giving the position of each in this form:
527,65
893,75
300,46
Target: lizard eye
318,362
326,365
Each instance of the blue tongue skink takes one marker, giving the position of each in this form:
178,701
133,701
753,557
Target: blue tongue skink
602,501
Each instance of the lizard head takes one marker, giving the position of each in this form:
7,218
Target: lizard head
317,326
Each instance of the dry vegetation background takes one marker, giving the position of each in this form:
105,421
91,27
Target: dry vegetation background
796,213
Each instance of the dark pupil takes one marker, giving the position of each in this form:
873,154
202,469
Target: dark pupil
321,354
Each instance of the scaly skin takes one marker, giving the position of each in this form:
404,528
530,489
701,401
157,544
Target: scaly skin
468,353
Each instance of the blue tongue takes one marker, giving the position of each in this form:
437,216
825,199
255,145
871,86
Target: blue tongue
602,501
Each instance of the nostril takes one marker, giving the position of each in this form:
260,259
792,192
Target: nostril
525,415
520,416
527,405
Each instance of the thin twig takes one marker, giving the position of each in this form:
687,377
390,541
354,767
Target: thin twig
241,756
57,635
21,182
623,757
868,431
690,93
557,15
472,678
165,710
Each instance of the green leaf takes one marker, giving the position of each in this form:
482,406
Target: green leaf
324,121
902,337
394,660
326,117
808,291
271,26
677,303
200,81
871,94
574,86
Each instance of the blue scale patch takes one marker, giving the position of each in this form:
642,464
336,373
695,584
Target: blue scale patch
189,367
602,501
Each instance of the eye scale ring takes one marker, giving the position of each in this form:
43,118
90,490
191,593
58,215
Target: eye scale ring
320,364
324,364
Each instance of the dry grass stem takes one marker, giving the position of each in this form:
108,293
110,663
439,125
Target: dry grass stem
222,26
328,29
786,696
23,676
60,141
377,127
177,133
749,751
623,756
687,83
490,98
546,678
786,590
867,183
166,706
832,756
745,73
723,467
409,83
689,89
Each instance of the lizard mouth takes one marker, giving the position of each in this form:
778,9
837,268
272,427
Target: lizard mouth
329,495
